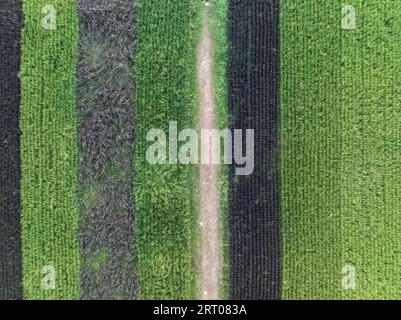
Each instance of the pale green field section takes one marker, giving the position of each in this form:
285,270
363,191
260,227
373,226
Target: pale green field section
340,150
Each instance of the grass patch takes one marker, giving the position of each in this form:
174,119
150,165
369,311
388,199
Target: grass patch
95,262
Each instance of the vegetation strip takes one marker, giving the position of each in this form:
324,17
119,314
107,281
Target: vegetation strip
166,205
218,28
50,214
253,91
106,135
10,209
310,78
340,137
370,152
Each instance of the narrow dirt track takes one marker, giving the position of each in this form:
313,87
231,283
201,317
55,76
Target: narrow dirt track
209,197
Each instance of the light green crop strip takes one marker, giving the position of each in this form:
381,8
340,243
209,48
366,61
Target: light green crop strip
371,151
49,150
340,150
165,196
310,107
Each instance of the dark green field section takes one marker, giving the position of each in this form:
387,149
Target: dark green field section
166,208
106,134
50,217
340,150
10,208
253,103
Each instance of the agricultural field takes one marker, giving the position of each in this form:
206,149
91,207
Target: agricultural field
340,136
106,145
253,103
200,150
166,196
49,171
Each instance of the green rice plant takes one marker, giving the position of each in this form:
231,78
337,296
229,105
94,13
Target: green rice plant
165,196
340,149
49,150
370,142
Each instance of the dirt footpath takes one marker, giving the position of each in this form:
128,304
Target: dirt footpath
209,197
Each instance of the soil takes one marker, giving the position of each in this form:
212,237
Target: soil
209,196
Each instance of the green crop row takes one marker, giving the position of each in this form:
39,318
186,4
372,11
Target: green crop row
340,149
49,150
166,195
